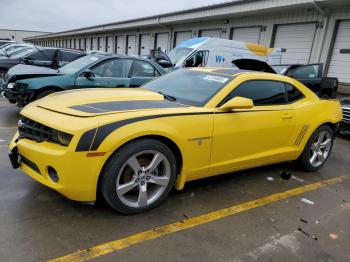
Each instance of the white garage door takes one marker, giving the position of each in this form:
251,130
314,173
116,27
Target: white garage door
88,44
94,43
340,62
162,41
102,43
247,34
131,40
120,45
297,40
182,36
145,44
211,33
109,44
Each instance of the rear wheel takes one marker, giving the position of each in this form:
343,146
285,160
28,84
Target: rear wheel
317,149
139,176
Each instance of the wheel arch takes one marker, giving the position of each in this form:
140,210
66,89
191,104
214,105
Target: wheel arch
173,146
46,88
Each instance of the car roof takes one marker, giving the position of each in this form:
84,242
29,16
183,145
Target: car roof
58,48
108,55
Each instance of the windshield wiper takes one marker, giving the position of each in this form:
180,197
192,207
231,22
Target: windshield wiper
168,97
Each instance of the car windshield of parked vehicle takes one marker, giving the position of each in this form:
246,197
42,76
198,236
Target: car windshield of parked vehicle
22,53
79,64
16,49
189,87
177,54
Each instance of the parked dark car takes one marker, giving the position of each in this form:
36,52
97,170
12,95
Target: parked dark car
91,71
310,75
40,56
8,50
345,124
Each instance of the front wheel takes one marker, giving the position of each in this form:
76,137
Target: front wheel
139,176
317,149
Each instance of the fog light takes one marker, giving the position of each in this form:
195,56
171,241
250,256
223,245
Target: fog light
53,174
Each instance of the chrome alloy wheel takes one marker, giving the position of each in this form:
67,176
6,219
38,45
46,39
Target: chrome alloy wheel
143,179
320,148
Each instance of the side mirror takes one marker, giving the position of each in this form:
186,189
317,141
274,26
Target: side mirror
237,103
27,61
88,74
165,63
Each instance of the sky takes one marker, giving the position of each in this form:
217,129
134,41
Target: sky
60,15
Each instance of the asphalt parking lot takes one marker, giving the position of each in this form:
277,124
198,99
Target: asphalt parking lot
260,217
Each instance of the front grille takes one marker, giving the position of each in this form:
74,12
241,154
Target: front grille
346,114
33,130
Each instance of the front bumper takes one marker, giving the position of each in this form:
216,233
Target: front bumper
78,174
19,97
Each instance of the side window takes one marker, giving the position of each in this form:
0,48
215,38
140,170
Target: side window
43,55
306,72
113,68
199,59
262,92
69,56
293,93
143,69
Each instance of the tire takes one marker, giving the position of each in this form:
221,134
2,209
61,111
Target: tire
124,181
317,150
42,94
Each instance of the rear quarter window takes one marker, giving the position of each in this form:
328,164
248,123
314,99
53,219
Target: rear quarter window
293,93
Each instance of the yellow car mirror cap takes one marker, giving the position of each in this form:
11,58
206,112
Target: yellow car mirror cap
237,102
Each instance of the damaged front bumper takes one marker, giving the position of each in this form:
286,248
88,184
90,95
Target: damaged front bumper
21,97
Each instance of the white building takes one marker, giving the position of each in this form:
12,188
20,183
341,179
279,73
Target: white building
310,31
18,35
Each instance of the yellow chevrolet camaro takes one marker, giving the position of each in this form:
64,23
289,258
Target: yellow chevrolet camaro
134,145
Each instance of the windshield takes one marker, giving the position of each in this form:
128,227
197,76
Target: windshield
177,54
280,69
79,64
22,53
15,50
189,87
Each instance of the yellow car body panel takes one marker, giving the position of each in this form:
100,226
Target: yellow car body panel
210,141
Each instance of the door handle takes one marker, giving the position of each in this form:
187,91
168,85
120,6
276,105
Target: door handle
287,116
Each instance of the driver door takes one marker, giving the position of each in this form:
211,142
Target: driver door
245,138
310,75
109,73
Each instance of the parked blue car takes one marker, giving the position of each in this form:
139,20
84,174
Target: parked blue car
96,70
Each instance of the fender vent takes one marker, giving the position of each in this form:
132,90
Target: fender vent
301,135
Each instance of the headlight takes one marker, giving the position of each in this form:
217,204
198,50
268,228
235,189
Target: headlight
10,85
64,138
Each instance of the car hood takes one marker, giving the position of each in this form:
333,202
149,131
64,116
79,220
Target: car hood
21,71
101,101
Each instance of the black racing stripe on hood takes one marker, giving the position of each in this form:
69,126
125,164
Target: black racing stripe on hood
104,131
105,107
